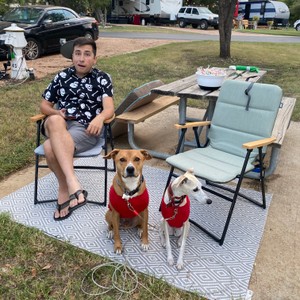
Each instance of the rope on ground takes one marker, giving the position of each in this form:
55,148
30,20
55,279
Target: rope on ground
122,276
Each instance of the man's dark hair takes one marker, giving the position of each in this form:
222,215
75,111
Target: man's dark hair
82,41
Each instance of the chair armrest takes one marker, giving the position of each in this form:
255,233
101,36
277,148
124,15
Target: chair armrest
193,124
107,121
259,143
38,117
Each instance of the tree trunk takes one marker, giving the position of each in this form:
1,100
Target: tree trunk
226,10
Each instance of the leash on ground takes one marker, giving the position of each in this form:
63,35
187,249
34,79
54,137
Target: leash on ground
123,275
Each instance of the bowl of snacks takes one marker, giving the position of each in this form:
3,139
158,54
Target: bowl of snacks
210,78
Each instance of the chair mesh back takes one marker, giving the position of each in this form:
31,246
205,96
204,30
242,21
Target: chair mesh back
233,125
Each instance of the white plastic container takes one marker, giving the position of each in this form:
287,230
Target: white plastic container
210,79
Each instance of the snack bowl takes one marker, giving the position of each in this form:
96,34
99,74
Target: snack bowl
210,79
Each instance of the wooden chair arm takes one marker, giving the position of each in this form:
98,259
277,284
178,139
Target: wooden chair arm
107,121
193,124
37,117
259,143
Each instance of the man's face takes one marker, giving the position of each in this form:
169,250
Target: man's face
83,59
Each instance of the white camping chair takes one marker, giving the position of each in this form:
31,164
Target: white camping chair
104,140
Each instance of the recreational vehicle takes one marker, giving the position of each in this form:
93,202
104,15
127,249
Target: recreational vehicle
145,11
266,10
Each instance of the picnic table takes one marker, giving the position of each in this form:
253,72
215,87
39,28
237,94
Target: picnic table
187,88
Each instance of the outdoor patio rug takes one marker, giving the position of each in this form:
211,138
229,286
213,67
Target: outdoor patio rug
213,271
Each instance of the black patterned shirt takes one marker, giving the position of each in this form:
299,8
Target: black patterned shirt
81,97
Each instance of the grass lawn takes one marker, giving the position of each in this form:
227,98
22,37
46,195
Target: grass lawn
35,266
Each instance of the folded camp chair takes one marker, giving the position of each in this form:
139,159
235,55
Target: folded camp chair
95,151
239,132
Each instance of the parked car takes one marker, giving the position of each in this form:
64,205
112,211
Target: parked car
297,25
197,17
45,26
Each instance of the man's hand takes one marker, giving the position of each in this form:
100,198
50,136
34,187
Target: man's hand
95,126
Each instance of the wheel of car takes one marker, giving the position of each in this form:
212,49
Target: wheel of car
88,35
33,50
203,24
195,25
298,27
182,23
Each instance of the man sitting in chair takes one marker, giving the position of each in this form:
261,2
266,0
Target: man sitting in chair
83,96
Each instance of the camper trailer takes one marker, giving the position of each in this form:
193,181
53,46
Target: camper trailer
266,10
145,11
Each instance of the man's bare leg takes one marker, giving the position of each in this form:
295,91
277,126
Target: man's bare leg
59,151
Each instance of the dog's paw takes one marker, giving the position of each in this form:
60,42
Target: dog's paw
145,246
110,234
179,265
118,249
170,260
163,242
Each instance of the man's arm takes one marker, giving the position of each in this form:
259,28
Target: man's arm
96,124
48,109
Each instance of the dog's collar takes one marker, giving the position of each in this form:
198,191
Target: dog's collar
175,201
127,193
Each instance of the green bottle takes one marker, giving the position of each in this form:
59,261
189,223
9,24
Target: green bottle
244,68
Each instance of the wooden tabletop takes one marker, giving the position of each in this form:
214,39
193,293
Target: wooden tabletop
187,87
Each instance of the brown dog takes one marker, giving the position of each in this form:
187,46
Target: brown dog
128,196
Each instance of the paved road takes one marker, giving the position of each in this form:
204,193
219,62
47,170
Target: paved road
209,35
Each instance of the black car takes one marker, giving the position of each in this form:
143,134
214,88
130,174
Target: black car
46,27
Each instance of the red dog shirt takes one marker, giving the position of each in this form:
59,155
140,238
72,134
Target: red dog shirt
138,203
168,213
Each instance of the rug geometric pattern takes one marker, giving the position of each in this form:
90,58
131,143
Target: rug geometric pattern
213,271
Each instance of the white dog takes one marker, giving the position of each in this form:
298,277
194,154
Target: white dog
175,209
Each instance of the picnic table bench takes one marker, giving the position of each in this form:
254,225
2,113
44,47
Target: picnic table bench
281,126
139,105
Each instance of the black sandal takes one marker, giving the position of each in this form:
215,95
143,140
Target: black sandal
76,196
60,207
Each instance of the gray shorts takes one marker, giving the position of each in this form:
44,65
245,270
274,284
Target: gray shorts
82,140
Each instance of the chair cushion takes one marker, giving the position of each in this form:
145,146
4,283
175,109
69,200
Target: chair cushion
210,164
232,125
95,151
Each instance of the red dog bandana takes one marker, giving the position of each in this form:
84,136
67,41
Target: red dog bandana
174,219
128,208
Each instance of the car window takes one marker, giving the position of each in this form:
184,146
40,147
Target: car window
188,10
181,10
69,15
204,10
195,11
25,15
56,15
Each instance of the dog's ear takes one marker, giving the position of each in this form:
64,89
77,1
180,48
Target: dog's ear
182,179
190,170
112,154
146,154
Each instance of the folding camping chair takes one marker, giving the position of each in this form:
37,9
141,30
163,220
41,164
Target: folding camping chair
238,134
95,151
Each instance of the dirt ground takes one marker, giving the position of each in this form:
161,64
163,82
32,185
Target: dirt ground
106,47
276,273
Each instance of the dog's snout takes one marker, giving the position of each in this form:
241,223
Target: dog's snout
196,189
130,171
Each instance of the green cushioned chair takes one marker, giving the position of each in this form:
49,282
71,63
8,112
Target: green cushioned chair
238,134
